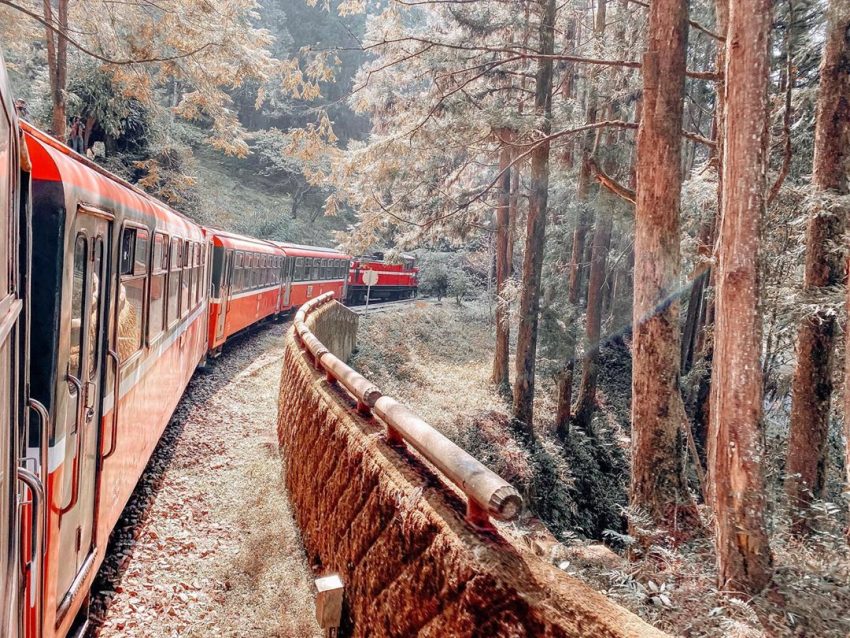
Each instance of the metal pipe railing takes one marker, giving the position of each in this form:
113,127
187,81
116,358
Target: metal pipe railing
487,494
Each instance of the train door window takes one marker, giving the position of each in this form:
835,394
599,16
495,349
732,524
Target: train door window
186,281
78,287
156,294
95,295
174,281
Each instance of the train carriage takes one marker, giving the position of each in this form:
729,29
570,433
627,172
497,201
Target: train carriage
396,280
310,271
246,285
15,550
118,327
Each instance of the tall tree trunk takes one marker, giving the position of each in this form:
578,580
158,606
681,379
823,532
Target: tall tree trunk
563,412
593,321
500,358
744,561
658,485
513,211
57,62
704,337
812,385
532,267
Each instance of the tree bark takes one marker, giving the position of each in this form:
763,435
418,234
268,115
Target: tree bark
500,374
532,267
57,63
744,561
812,384
593,320
658,485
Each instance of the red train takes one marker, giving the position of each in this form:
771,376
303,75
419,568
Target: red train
395,280
109,300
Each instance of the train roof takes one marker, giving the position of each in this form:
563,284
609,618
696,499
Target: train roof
52,161
302,250
242,242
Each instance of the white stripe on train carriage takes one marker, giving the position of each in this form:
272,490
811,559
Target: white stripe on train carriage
153,355
55,457
255,291
313,282
56,452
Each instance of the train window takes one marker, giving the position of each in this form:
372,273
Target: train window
316,268
156,295
199,248
186,281
174,281
128,247
131,293
131,305
299,268
140,257
78,288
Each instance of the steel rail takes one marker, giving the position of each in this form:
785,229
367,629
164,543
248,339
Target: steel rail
487,494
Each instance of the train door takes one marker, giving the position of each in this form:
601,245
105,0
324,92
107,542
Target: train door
287,279
224,294
89,288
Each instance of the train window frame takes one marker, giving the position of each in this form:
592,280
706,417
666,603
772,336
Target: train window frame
174,254
186,279
158,269
79,340
131,270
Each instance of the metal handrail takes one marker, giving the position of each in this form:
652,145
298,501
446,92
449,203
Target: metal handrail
487,494
116,388
76,468
36,562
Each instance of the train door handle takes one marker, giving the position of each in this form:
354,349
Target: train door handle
77,465
34,566
116,390
91,395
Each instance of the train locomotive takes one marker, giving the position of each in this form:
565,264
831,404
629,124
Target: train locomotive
109,301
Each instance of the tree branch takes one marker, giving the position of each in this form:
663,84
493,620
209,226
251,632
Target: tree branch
610,183
126,62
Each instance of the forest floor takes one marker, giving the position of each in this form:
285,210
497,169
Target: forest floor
438,358
207,545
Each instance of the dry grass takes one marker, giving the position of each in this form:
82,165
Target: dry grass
436,358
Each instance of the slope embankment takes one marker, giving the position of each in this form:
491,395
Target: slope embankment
395,531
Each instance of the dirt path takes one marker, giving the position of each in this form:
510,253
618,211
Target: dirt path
207,545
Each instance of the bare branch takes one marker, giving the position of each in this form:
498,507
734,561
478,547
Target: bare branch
62,34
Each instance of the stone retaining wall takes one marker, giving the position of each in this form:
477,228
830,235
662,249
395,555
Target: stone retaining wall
396,534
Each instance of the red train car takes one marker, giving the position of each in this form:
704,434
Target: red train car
118,326
246,285
310,271
14,554
397,280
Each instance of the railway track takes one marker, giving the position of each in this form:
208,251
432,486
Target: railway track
388,305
